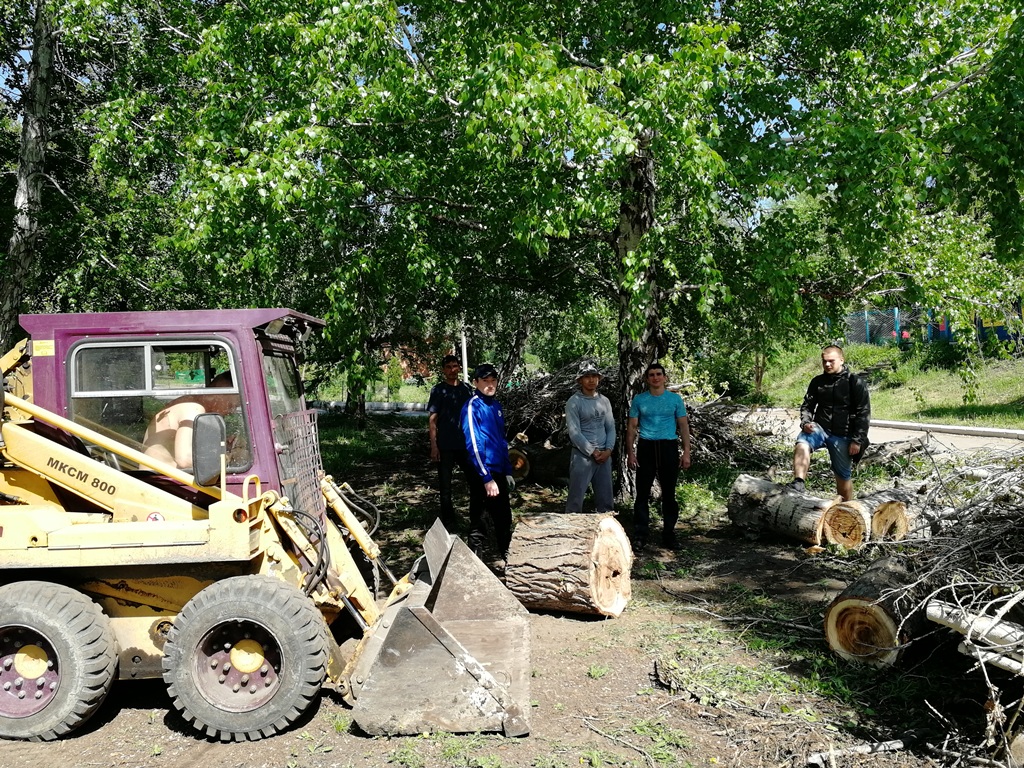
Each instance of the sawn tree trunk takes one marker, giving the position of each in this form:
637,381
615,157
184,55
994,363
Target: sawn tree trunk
577,563
874,617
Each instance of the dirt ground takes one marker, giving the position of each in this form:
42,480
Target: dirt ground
677,680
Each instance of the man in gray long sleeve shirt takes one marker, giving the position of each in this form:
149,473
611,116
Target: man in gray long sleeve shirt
591,425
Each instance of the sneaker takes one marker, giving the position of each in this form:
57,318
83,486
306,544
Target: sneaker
797,484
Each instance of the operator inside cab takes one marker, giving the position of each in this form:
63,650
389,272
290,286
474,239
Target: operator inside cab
169,435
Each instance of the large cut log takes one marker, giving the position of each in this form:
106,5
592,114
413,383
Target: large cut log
882,515
757,505
846,523
578,563
872,620
893,516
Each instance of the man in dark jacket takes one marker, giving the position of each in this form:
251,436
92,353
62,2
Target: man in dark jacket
447,445
483,425
835,415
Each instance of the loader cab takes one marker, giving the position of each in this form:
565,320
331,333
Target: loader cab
125,375
128,390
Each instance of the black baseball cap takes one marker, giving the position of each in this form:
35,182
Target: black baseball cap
485,370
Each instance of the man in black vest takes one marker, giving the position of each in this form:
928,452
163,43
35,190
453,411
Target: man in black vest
835,415
447,445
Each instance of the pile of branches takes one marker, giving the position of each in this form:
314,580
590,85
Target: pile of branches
537,410
971,568
976,518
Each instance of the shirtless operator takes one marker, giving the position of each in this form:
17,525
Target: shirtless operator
169,435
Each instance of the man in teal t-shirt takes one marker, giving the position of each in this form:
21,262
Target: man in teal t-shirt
657,415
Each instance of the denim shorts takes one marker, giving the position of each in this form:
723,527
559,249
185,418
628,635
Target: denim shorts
838,449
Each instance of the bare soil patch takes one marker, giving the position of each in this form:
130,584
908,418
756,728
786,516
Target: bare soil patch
717,661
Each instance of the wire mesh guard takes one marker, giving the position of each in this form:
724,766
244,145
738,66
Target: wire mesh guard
298,453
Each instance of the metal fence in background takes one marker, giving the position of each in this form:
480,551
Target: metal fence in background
893,326
904,326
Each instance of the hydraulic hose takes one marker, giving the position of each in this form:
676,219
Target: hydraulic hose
318,539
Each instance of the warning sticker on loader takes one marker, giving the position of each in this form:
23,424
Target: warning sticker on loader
43,348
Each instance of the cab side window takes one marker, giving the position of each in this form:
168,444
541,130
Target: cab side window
120,390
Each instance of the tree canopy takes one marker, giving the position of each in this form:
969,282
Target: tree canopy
745,164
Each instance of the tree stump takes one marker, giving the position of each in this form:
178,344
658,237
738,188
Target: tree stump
873,618
578,563
756,504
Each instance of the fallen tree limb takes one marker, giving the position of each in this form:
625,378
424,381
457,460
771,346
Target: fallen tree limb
826,759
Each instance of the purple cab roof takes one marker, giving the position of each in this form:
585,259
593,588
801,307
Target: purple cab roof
199,321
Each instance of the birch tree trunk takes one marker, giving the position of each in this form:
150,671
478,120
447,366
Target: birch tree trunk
636,350
20,263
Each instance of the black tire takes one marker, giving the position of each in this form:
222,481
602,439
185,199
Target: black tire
245,658
58,657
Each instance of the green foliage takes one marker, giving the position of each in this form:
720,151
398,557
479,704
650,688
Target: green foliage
585,330
666,741
861,357
394,376
345,442
943,355
407,757
629,179
340,722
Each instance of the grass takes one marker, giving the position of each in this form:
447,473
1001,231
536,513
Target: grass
916,385
936,396
409,392
344,441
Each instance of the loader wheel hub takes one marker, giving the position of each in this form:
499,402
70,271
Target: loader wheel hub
29,673
247,656
238,665
30,661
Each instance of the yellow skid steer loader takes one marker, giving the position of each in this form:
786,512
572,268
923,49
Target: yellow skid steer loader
164,513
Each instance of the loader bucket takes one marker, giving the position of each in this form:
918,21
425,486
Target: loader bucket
452,654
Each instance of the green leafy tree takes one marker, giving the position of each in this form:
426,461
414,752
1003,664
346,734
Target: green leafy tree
389,167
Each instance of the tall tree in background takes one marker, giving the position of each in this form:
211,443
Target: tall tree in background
374,164
33,93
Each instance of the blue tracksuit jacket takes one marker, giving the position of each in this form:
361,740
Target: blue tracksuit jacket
483,424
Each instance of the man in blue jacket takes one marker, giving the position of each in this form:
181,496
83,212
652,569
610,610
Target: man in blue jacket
483,425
